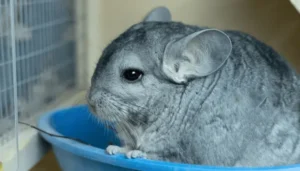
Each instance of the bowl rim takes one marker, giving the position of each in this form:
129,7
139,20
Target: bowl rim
98,154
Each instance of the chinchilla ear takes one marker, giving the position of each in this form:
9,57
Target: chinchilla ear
159,14
196,55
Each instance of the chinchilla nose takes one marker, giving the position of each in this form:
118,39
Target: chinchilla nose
94,95
91,94
91,98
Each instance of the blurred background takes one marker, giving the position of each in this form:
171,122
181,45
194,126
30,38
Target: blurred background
57,44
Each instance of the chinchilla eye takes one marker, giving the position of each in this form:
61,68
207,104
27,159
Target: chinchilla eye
132,75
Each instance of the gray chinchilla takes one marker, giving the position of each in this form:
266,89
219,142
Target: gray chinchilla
197,95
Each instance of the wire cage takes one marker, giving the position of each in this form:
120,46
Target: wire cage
39,53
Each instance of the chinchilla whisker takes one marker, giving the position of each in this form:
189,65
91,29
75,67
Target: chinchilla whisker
53,135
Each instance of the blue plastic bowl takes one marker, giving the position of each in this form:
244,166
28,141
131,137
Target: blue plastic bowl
78,123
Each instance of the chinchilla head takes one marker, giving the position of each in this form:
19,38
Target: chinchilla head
140,72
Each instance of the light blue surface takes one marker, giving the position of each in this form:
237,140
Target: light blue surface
77,122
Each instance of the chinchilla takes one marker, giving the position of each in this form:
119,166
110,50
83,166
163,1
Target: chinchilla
198,95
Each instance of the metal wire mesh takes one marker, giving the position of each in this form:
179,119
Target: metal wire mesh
45,56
